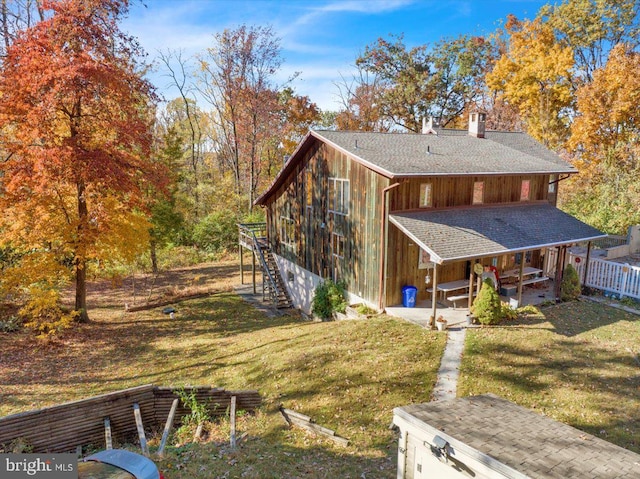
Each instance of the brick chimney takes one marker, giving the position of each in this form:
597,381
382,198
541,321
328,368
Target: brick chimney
476,124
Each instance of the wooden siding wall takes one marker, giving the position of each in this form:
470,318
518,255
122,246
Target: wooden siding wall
458,191
314,225
448,192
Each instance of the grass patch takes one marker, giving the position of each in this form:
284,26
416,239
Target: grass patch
577,363
347,375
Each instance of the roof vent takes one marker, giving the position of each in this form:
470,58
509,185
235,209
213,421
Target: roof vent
427,127
477,124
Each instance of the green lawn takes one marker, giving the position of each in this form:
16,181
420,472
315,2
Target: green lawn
577,363
348,376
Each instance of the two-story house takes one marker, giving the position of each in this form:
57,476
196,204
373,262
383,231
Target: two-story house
384,210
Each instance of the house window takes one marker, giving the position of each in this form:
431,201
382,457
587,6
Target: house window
552,184
478,192
425,195
337,255
287,232
525,190
339,196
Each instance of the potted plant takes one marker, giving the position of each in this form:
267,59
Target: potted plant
441,323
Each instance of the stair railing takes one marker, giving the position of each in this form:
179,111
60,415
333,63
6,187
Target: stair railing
248,231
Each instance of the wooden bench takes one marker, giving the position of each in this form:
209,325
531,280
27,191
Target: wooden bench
534,280
458,297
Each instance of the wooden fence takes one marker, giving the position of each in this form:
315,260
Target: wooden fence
64,427
610,277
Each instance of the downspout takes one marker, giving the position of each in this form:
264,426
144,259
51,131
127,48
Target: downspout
384,233
560,178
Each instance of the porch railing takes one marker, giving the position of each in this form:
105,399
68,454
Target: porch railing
610,277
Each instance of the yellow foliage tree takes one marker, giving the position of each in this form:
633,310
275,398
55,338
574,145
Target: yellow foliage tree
534,74
608,125
605,139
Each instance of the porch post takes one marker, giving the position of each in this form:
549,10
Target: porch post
253,271
586,264
520,278
434,295
241,264
559,272
470,288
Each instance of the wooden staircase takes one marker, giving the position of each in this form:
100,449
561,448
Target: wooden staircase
273,285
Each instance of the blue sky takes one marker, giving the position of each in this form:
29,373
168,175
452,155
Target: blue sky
319,38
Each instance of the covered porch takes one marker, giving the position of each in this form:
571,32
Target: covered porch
524,242
457,316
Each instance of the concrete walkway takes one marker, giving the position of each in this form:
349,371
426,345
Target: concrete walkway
447,382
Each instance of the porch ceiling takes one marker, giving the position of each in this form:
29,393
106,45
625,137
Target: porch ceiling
467,233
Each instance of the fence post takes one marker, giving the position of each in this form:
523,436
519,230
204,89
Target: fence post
625,280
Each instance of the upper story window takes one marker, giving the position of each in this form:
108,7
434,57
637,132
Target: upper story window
478,192
426,200
525,190
339,196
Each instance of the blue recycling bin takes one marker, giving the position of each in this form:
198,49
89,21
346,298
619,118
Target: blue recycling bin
409,294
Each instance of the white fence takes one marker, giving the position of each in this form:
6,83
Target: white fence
618,278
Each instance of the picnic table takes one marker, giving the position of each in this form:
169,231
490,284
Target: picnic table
444,288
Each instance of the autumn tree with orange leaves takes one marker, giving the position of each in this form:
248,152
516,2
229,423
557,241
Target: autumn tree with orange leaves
75,125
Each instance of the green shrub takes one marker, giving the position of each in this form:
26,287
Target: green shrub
487,307
216,232
528,310
365,310
570,285
507,312
329,297
198,416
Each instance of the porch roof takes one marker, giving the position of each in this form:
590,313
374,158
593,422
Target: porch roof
450,235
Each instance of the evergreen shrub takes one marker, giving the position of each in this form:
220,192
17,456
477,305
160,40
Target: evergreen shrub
570,286
487,306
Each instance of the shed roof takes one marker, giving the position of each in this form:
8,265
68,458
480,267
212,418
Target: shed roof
465,233
527,442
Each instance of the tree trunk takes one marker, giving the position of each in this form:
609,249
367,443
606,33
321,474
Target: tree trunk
80,259
154,256
81,291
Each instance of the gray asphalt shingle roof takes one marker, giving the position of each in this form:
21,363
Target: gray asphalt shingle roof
457,234
451,152
527,442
